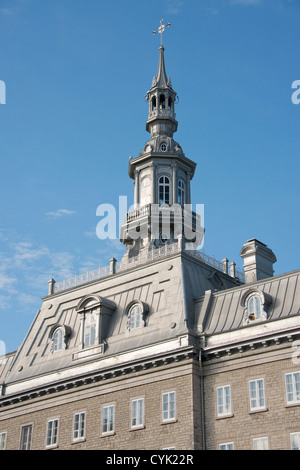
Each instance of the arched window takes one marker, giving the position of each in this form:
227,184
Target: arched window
135,317
162,101
164,190
181,193
59,336
58,340
254,308
89,329
153,103
136,312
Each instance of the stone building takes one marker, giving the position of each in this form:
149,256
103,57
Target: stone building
168,349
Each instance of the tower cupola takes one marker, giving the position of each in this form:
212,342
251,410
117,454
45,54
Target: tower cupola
161,97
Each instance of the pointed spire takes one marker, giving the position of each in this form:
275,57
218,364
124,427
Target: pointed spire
161,78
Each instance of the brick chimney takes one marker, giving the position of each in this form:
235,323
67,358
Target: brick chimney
258,261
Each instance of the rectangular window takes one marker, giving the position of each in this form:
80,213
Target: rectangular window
226,446
2,440
223,400
137,413
108,419
79,426
295,440
257,394
168,406
26,433
292,384
52,433
260,443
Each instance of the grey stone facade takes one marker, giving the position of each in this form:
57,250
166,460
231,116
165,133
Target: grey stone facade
167,349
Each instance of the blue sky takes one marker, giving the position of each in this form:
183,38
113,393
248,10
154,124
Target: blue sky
76,73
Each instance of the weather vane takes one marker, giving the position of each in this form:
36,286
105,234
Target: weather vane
161,29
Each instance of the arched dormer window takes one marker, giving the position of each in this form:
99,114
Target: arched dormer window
254,307
59,335
255,303
164,190
95,312
181,193
136,312
58,340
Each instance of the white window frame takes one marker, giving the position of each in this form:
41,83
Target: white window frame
295,440
26,437
164,182
254,310
137,413
3,436
168,406
292,388
108,420
52,432
226,446
224,401
79,426
58,340
135,317
90,328
257,394
260,443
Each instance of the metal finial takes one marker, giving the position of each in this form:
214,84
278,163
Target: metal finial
161,29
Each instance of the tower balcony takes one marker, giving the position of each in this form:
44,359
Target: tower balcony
161,113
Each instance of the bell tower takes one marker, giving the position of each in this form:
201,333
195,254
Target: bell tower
161,173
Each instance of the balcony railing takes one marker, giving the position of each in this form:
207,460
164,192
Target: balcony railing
142,258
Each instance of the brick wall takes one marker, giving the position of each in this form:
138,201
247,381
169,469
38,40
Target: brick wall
150,386
276,422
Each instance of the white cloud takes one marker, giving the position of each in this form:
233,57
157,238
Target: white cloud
60,213
25,252
174,6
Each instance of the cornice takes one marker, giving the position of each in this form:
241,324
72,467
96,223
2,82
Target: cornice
173,357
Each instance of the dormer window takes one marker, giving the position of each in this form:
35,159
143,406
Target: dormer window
95,313
254,308
255,303
89,329
136,312
58,340
59,335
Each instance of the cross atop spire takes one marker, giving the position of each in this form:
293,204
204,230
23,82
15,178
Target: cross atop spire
161,29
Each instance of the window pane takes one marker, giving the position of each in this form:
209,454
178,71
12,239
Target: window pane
295,440
52,432
79,421
260,443
26,438
108,419
2,440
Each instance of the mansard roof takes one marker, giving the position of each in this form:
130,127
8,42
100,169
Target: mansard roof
224,311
